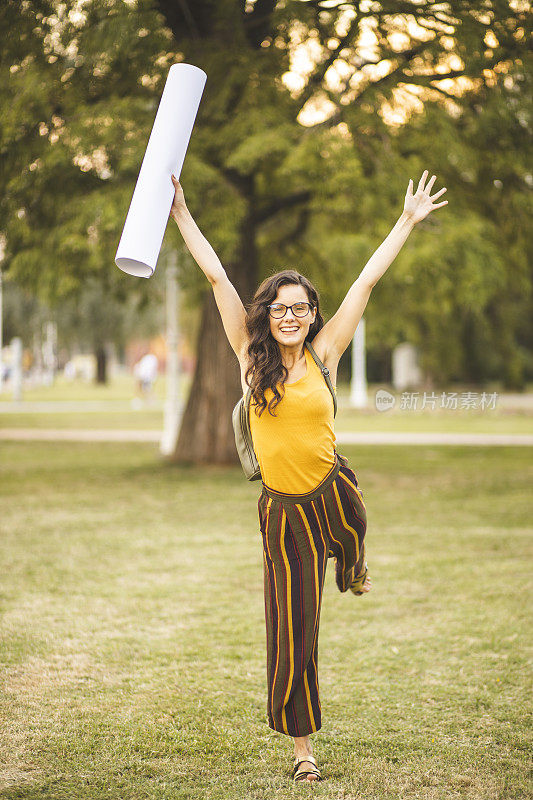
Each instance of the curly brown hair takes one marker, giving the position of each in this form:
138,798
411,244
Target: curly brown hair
266,369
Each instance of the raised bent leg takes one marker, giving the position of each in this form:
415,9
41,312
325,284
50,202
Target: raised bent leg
345,514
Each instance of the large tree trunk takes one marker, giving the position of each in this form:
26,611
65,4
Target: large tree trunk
206,432
101,364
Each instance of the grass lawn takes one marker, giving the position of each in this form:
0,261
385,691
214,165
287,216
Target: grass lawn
118,388
126,419
133,640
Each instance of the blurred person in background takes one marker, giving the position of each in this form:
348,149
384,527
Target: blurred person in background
145,373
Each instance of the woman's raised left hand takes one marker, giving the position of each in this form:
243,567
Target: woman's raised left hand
418,205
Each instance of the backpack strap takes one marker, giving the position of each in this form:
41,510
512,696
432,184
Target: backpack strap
246,419
243,437
325,373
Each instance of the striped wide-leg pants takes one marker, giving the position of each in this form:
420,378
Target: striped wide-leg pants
299,532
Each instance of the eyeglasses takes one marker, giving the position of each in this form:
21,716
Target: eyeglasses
278,310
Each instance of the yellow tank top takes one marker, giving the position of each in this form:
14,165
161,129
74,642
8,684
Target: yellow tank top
296,448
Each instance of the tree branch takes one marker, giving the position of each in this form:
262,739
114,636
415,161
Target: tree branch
405,56
318,76
298,229
187,17
280,204
243,183
434,88
257,22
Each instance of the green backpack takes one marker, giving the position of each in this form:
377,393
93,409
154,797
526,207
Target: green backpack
241,424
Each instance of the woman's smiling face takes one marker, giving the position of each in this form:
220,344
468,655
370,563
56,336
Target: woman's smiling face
290,330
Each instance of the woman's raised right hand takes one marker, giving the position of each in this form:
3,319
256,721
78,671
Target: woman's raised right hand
178,203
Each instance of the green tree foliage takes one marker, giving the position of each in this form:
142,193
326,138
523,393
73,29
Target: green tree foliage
306,169
485,153
71,87
74,100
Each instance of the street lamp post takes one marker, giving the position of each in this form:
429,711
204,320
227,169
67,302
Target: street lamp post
358,386
50,352
16,368
1,340
172,401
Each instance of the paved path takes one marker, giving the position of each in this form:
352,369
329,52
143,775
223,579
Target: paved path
112,435
389,437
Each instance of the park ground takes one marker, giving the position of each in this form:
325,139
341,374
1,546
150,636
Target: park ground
133,644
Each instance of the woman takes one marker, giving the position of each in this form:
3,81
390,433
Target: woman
310,506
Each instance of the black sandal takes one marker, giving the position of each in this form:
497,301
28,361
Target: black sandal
301,774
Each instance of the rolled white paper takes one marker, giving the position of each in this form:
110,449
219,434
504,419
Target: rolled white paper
150,205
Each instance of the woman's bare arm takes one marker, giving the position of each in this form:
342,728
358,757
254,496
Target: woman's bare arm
229,304
338,332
